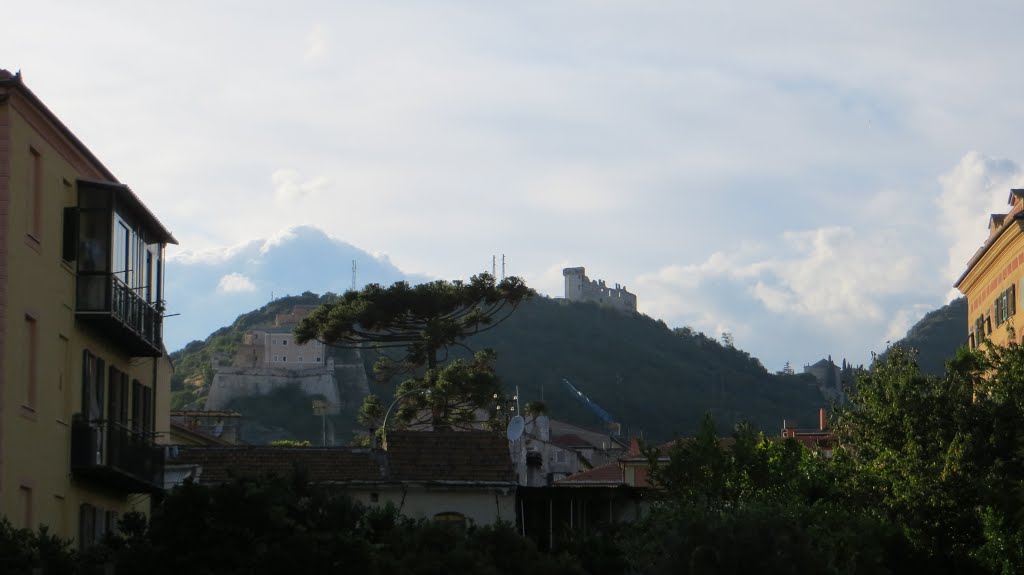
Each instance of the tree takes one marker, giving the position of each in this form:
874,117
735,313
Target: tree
728,340
944,456
423,322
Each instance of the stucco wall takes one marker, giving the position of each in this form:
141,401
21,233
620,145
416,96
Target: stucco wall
482,505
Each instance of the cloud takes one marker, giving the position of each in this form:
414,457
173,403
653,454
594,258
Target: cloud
975,188
290,188
827,284
316,43
235,283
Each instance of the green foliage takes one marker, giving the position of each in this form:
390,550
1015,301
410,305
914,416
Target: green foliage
937,336
284,525
752,505
195,359
182,398
290,443
647,376
286,408
22,550
422,321
942,456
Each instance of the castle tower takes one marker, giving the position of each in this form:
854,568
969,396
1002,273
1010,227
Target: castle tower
575,279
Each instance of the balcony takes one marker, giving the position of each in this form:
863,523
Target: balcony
117,311
114,457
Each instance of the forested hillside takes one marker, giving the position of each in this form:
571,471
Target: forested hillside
650,378
938,335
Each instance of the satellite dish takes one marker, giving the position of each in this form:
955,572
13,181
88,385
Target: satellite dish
515,428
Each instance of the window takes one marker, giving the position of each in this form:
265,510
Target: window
69,249
32,357
35,195
93,371
142,408
93,524
318,360
284,342
988,325
1005,304
117,398
299,359
451,518
284,358
25,505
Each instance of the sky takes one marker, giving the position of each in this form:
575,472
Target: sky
811,177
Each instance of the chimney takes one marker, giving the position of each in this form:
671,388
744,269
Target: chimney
634,445
822,419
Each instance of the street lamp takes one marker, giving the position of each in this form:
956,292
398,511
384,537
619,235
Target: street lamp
384,426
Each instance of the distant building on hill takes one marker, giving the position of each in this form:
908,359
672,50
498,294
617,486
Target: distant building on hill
993,275
276,346
578,287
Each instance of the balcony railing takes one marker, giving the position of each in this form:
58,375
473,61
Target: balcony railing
107,302
112,456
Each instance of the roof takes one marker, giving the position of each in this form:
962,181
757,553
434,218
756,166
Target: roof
412,456
324,464
570,440
609,474
14,82
199,436
985,247
449,455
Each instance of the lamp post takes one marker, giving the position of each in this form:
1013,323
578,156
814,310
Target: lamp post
384,426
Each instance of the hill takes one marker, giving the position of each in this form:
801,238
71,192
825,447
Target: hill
938,335
650,378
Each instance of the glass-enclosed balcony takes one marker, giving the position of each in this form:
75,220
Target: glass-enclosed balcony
119,249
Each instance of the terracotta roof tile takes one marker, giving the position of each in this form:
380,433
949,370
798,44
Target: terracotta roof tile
449,455
411,456
607,474
324,464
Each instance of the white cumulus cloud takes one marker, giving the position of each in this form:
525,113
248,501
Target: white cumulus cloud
291,188
975,188
235,283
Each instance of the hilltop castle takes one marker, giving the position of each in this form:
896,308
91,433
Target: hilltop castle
578,287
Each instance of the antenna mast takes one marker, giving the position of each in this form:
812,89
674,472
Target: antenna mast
502,266
353,275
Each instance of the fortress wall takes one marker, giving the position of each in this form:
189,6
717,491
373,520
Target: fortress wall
230,383
578,287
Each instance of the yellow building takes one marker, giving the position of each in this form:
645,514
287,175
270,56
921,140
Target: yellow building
84,376
993,278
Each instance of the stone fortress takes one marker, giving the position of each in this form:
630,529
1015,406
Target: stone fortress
578,287
269,358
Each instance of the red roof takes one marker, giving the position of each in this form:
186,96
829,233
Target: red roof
609,474
464,456
449,455
323,464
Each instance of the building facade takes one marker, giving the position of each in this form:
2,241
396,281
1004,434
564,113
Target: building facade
84,377
993,278
578,287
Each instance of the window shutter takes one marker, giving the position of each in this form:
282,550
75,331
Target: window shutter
1013,299
70,245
